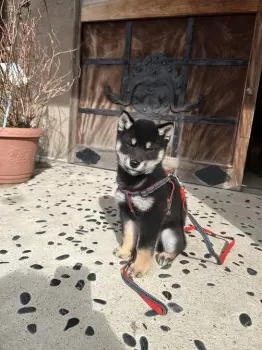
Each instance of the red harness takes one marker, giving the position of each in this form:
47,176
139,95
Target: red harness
154,303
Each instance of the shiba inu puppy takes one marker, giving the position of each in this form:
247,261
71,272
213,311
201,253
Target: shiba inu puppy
146,226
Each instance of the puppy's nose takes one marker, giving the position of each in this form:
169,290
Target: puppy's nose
134,163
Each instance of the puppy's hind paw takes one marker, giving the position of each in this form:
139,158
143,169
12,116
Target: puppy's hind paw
164,258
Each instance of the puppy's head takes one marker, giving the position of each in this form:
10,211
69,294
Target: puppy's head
141,144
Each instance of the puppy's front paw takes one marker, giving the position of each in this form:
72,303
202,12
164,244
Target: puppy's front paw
142,263
122,253
137,270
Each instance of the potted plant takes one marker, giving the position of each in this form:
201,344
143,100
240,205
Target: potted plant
30,76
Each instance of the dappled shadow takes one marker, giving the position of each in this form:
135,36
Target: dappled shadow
239,209
41,167
55,317
54,141
88,156
107,203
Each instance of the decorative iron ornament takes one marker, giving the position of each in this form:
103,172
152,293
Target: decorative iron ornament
153,86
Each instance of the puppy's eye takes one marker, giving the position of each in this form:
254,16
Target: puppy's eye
132,142
151,149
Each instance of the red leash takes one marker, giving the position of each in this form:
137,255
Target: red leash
151,301
227,247
155,304
205,232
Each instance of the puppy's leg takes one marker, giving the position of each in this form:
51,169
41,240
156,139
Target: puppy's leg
129,236
149,230
171,243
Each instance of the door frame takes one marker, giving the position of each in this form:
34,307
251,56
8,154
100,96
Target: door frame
248,103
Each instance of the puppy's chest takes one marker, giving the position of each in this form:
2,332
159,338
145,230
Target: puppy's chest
141,203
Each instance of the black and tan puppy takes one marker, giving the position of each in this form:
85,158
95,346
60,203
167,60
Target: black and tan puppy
141,147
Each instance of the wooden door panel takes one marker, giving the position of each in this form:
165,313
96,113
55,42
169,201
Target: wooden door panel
96,131
212,144
93,80
103,40
209,55
167,36
227,37
222,88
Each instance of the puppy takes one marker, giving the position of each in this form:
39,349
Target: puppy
146,225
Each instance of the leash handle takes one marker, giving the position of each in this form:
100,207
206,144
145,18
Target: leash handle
155,304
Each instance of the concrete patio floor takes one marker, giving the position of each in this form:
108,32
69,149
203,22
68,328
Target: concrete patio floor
60,285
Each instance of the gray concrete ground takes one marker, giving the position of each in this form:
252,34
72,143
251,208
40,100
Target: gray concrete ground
60,286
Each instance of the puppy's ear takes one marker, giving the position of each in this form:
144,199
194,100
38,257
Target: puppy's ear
125,121
166,130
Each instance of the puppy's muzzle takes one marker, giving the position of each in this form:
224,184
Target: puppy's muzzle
134,163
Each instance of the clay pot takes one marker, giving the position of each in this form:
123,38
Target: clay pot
18,148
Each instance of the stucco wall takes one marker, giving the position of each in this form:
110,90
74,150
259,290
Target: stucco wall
55,123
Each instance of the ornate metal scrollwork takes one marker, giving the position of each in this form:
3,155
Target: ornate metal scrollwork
153,86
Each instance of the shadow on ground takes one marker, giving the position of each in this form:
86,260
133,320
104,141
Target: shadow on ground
41,167
108,204
53,317
241,210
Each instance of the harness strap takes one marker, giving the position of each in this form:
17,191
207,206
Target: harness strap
147,192
150,189
129,201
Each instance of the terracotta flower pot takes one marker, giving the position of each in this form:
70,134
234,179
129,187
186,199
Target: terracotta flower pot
18,147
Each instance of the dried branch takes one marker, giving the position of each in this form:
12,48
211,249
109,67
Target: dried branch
39,77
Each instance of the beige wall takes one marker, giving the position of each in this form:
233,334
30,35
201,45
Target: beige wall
55,124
